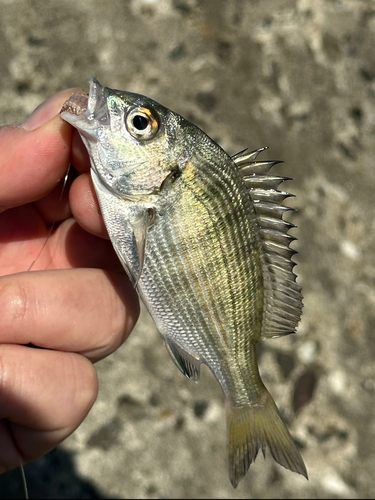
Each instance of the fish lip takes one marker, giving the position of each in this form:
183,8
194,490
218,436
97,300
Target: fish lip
87,111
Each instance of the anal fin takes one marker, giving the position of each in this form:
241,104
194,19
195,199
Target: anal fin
187,363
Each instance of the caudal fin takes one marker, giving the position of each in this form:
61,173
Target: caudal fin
251,428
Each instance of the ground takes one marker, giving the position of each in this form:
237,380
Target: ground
297,76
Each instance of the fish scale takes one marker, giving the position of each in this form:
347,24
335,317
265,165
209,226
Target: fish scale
186,291
224,203
199,260
202,237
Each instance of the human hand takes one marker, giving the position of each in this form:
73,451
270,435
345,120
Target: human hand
76,304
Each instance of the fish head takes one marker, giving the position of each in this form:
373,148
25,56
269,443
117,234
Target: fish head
135,144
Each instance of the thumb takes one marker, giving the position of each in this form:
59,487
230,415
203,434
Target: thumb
34,157
48,109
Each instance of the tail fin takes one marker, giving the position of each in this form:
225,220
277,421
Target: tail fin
252,427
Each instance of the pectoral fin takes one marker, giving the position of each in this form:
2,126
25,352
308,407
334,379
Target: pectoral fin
188,364
140,228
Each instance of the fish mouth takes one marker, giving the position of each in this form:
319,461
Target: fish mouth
87,111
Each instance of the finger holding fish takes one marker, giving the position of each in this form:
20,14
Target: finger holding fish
41,162
37,154
95,324
85,206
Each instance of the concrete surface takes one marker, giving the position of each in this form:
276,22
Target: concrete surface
297,76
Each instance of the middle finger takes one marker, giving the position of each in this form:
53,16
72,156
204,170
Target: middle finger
89,311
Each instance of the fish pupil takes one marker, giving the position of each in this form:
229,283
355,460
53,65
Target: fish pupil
140,122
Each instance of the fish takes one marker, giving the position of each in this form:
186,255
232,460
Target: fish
201,235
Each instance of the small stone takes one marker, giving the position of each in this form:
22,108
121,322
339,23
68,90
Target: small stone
307,351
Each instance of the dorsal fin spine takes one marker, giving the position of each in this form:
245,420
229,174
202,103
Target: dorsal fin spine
282,294
256,167
249,156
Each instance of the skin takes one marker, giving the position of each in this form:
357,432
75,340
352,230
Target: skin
76,304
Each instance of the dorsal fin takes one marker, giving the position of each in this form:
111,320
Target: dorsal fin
282,294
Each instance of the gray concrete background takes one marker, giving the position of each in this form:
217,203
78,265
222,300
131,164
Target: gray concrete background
297,76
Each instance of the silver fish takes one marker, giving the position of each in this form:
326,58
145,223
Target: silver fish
202,236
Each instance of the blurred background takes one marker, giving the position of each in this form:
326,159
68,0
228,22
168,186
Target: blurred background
297,76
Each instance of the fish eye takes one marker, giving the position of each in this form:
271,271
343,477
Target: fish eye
142,123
